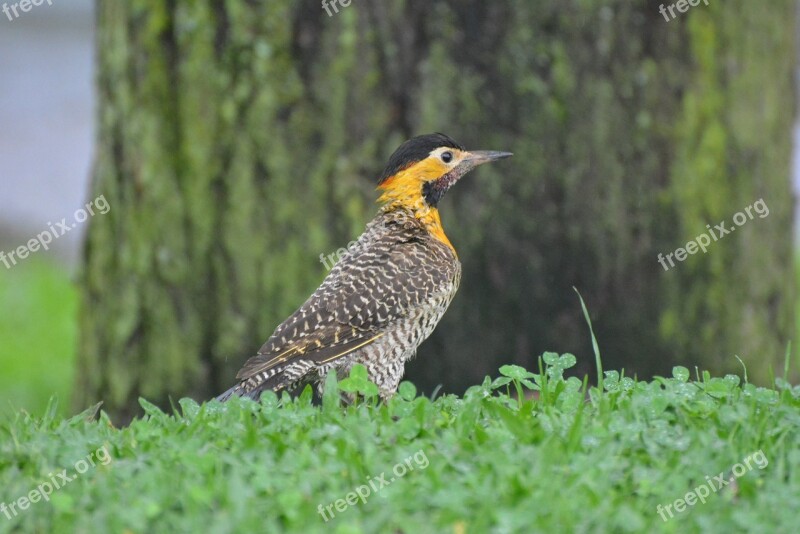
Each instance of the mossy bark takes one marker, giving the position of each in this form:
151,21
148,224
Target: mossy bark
238,141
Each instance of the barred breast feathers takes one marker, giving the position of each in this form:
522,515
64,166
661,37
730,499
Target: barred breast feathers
395,267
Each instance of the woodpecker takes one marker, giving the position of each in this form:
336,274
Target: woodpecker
386,294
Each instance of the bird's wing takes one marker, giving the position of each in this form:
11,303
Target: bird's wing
371,287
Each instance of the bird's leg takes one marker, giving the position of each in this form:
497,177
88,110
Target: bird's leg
387,394
346,398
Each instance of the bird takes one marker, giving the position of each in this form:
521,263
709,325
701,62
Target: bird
386,294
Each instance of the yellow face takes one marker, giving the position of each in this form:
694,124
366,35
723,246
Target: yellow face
405,188
420,185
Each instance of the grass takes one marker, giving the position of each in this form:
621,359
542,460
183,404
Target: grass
525,452
38,329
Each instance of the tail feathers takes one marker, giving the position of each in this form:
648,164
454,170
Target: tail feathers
253,387
286,377
239,390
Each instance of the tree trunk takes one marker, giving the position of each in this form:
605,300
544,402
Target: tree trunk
238,141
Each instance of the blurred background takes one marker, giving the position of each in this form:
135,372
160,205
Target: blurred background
47,103
236,142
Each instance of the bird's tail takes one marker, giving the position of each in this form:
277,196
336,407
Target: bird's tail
239,391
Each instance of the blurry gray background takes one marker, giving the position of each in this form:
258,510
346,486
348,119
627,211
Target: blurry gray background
46,114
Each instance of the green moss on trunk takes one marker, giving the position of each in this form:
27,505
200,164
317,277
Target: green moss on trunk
239,141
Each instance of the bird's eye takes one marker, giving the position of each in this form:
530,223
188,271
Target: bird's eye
447,157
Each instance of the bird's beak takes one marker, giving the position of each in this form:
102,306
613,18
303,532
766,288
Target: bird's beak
479,157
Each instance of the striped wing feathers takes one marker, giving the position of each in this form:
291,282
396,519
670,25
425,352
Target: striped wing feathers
373,286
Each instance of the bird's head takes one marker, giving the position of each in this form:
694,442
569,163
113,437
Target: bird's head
423,168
